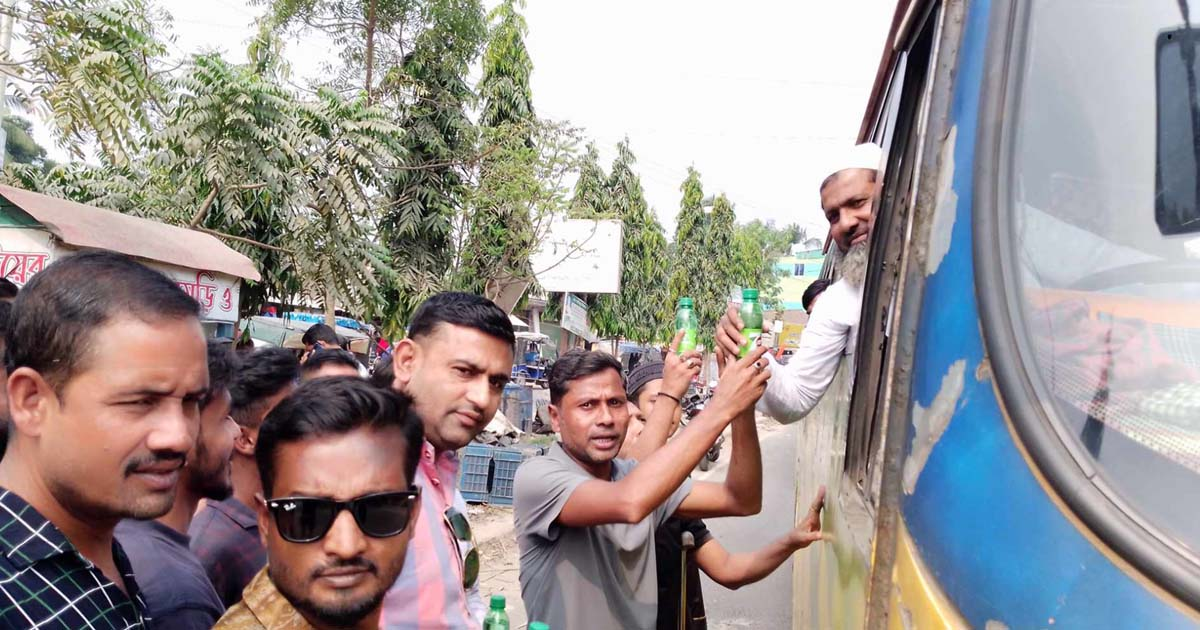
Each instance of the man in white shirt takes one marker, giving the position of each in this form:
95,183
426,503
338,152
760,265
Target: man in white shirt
847,197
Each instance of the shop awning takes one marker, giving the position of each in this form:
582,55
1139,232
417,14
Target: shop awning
88,227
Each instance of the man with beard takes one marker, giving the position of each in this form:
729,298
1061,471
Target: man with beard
106,371
847,197
225,533
337,461
454,364
177,591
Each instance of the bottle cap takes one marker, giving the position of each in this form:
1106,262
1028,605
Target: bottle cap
686,302
749,294
537,625
498,602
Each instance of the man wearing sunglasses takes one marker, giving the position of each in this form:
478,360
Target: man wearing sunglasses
454,364
177,590
337,460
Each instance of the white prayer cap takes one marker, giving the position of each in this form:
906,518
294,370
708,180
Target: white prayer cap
867,155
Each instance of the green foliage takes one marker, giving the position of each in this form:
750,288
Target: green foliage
504,88
233,136
757,247
717,267
687,258
90,68
19,145
428,192
642,310
522,168
349,146
521,187
592,198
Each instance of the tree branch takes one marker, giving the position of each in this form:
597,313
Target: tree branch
242,239
212,196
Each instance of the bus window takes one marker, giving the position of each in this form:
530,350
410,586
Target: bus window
1103,238
900,137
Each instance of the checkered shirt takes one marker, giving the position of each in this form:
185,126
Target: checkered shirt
46,583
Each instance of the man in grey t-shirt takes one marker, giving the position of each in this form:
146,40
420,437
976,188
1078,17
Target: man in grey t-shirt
585,520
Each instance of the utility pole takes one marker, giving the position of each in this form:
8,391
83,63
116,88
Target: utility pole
6,29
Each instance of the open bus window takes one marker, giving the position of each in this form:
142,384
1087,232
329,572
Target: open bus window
1103,183
1177,203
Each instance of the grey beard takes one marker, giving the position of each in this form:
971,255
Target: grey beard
854,264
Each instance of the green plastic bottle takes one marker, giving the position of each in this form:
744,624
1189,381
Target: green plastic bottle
685,320
496,618
752,320
537,625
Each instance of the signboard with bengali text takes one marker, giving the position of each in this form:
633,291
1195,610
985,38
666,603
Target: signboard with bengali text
24,252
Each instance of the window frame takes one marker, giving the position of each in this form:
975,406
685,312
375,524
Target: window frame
1022,391
901,134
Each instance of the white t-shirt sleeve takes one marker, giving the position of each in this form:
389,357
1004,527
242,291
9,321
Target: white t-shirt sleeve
795,388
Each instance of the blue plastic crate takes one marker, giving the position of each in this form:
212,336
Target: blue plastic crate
505,462
517,406
474,472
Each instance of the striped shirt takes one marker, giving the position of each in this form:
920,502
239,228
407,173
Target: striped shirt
429,593
46,583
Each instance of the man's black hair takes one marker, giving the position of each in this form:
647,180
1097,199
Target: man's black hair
326,356
263,374
222,367
383,375
8,289
462,309
816,288
5,317
578,364
321,332
56,315
337,406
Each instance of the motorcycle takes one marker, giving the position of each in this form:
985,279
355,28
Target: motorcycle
693,403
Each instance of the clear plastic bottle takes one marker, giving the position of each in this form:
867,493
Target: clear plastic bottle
496,618
752,320
686,320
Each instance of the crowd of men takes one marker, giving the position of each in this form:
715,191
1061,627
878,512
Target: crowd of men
156,478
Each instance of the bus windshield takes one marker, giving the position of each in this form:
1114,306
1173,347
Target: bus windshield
1103,182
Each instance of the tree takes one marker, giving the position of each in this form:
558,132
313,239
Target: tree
504,88
687,262
591,199
642,310
19,145
349,148
92,69
375,37
717,263
519,192
519,179
226,161
430,189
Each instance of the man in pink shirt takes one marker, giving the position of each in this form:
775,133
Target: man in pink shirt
454,365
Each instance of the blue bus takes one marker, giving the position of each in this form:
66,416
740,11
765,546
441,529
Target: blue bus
1017,443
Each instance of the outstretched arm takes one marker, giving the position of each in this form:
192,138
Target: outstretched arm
635,496
677,375
736,570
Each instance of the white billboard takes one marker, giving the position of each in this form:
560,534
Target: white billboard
579,256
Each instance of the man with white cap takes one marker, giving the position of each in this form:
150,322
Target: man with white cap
847,197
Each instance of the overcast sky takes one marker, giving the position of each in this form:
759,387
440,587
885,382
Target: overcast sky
753,94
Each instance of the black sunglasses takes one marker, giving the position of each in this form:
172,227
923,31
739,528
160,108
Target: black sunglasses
308,519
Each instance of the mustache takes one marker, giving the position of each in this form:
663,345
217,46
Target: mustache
152,459
352,563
